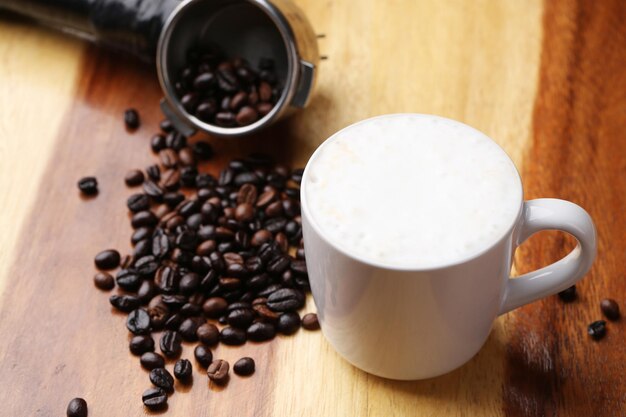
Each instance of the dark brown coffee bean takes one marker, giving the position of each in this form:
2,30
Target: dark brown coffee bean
203,355
153,172
186,157
274,209
204,81
190,101
168,158
225,103
131,119
246,178
146,266
260,237
230,284
166,125
225,118
300,254
134,177
288,323
107,259
264,108
173,199
265,91
597,329
143,218
77,408
138,202
310,322
189,283
218,371
151,360
286,299
261,331
244,366
171,344
241,318
153,190
188,328
253,97
214,307
182,370
244,212
206,248
610,309
157,142
238,100
232,258
278,264
270,289
247,194
266,198
568,294
282,242
154,398
161,378
171,180
175,141
233,336
208,334
125,303
265,313
167,279
138,322
141,344
104,281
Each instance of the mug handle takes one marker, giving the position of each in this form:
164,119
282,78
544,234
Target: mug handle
551,214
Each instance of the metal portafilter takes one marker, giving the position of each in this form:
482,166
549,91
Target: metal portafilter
165,30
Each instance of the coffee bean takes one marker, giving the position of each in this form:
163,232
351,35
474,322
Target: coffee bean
225,118
597,329
288,323
202,150
125,303
134,177
157,142
138,202
244,366
190,101
286,299
88,185
264,109
218,371
183,370
239,100
568,294
171,344
260,237
241,318
77,408
261,331
146,266
161,378
233,336
175,141
166,125
610,309
143,218
107,259
131,119
186,157
265,91
141,344
168,158
266,198
188,328
188,176
104,281
154,173
151,360
189,283
310,322
208,334
204,81
278,264
138,322
154,398
203,355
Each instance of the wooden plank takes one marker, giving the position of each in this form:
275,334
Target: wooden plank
579,154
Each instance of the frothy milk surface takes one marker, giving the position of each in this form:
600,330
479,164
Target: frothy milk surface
412,190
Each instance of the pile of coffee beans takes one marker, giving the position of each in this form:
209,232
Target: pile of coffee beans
227,92
214,260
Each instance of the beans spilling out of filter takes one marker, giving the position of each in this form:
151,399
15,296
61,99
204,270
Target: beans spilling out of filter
227,92
609,308
214,260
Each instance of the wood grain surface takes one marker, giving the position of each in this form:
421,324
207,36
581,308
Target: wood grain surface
546,81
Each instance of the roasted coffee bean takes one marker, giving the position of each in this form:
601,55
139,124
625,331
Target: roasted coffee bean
299,267
244,212
244,366
146,266
146,291
131,119
143,218
186,157
264,108
260,237
288,323
218,371
138,322
167,279
203,355
142,248
88,185
157,142
214,307
265,91
286,299
225,118
188,328
246,115
238,100
125,303
151,360
174,321
138,202
270,289
246,178
166,125
204,81
278,264
264,312
188,176
222,320
154,173
241,318
191,310
161,378
209,280
190,101
300,253
141,344
169,158
208,334
189,283
202,150
140,234
266,198
174,301
568,294
182,370
160,245
170,344
206,109
158,316
175,141
275,225
154,398
261,331
171,180
310,322
107,259
610,309
104,281
134,177
233,336
597,329
77,408
173,199
274,209
230,284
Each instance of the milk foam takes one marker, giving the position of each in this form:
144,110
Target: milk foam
412,190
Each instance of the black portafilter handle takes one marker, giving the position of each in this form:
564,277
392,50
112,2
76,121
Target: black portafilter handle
132,26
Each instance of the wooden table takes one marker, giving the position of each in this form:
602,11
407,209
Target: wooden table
546,80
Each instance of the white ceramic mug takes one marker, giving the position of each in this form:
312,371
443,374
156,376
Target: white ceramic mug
404,323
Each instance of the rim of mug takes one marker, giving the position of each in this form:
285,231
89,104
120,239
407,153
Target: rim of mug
409,268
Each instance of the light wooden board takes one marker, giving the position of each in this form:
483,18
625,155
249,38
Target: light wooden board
545,81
